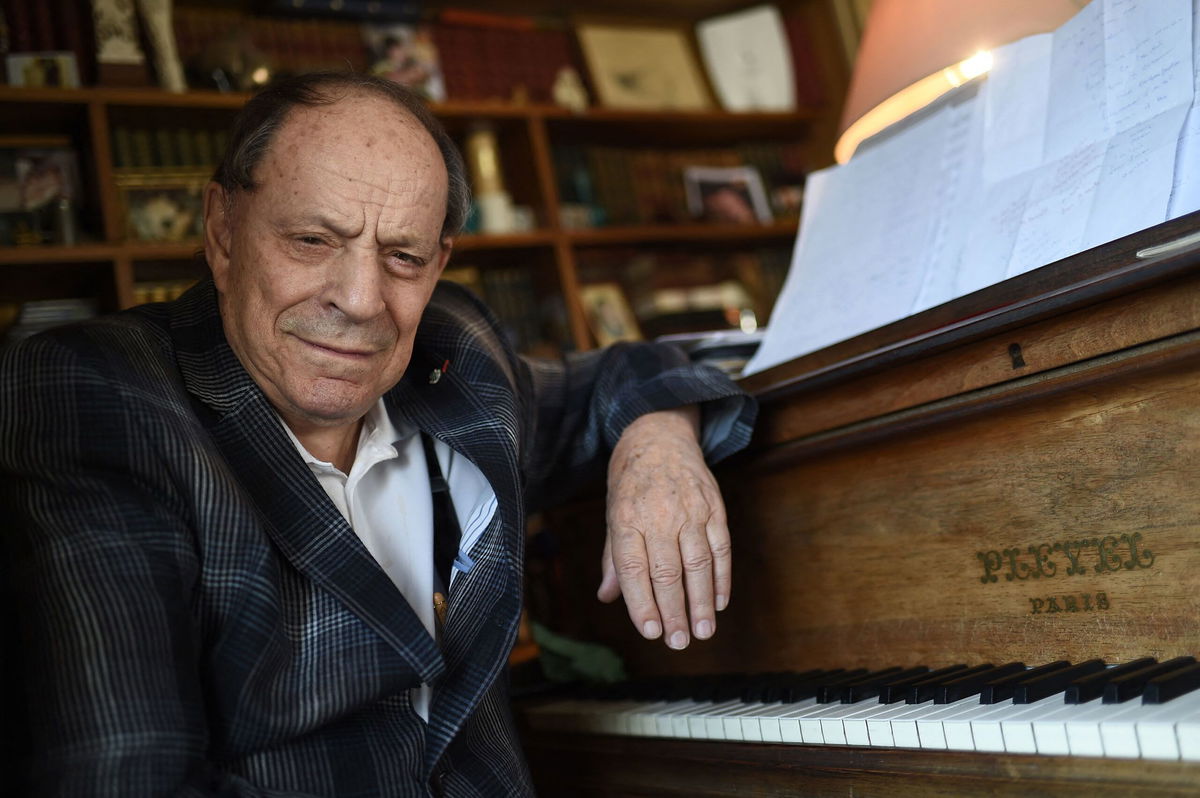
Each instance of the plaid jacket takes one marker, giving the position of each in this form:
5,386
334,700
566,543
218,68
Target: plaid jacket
196,617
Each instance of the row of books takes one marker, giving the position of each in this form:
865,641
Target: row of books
636,185
162,147
39,315
534,322
209,37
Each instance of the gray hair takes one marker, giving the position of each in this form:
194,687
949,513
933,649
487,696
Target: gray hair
261,118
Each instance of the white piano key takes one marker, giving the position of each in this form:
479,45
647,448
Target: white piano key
1050,730
904,727
751,727
833,725
714,720
1083,734
855,724
697,722
1187,733
813,724
789,724
1119,732
1157,731
768,721
879,727
986,728
1018,730
930,730
664,717
733,728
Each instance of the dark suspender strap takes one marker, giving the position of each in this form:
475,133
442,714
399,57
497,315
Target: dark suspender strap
446,532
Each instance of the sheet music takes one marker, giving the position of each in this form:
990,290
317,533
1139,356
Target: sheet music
1185,193
1069,143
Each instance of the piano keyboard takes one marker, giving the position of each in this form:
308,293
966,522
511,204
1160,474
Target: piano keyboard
1142,709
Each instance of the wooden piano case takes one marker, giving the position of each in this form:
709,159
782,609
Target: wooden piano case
1012,476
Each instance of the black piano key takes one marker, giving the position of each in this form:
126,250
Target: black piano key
1054,682
829,694
864,690
1131,685
1091,687
925,689
766,688
1181,681
972,684
897,691
1004,688
849,676
796,690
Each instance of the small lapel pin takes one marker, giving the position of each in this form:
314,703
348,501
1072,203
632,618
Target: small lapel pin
436,374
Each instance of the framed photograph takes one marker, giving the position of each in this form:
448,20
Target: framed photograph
39,190
642,67
43,69
609,314
726,194
163,206
407,55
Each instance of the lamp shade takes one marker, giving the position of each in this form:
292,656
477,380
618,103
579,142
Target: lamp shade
907,41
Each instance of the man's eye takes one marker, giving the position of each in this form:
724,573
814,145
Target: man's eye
404,257
311,240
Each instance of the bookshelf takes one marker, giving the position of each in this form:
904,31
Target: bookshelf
554,258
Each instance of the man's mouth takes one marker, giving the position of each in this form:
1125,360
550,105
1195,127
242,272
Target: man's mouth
339,349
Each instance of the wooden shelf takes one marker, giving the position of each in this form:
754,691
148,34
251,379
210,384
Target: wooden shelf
479,241
667,234
79,253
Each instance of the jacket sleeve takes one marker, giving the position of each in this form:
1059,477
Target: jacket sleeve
98,562
579,406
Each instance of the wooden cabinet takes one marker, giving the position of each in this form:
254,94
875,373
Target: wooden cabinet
107,264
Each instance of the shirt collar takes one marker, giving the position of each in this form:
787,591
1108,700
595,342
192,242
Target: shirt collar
379,439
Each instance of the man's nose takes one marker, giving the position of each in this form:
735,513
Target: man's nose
355,284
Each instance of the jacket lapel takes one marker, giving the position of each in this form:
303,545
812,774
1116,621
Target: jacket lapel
471,407
308,530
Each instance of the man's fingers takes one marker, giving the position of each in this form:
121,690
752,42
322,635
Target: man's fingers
697,564
610,588
633,573
717,531
666,575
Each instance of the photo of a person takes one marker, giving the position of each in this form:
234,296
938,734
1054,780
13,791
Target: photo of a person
406,54
726,194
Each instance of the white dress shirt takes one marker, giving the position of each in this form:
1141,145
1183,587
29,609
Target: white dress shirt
387,501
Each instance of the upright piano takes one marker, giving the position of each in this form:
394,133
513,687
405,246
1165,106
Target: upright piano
1011,477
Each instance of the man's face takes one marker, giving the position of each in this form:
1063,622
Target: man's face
325,268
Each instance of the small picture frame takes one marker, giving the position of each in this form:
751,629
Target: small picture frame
731,194
406,54
163,206
43,69
644,67
608,313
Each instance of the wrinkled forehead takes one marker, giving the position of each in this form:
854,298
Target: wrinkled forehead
356,134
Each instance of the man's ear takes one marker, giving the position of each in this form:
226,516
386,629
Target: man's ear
218,233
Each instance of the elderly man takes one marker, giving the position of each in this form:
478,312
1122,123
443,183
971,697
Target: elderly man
269,536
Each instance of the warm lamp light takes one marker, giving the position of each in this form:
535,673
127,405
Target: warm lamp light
914,51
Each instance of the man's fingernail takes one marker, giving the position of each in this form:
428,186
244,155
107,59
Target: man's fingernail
704,629
722,602
678,640
651,629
